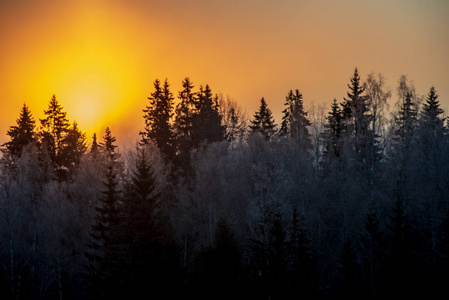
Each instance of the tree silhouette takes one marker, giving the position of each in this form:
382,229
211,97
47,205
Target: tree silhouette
21,134
158,117
294,121
263,121
55,127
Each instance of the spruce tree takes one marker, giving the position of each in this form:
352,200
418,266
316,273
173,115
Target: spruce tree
406,120
263,121
152,253
294,121
398,252
108,146
217,267
95,147
74,147
303,275
106,272
184,116
357,118
333,130
158,119
55,127
234,129
22,134
373,250
431,110
206,122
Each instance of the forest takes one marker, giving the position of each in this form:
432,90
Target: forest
350,201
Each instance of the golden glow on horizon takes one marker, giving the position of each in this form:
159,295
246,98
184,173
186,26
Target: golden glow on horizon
89,65
100,57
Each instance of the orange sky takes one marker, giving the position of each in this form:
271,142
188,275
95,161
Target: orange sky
100,57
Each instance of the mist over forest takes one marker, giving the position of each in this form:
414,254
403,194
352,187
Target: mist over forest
350,201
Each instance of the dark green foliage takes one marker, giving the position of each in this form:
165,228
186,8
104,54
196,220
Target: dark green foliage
373,250
431,110
217,268
263,121
235,211
234,130
74,147
153,255
294,121
22,134
406,120
158,119
106,256
347,282
398,255
55,127
94,148
333,130
206,122
184,116
356,118
108,147
303,278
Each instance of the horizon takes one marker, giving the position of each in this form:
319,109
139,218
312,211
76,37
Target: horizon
102,57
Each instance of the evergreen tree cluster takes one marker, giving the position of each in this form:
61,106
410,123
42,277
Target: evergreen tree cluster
353,204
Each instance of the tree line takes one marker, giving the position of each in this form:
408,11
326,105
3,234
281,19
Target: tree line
349,202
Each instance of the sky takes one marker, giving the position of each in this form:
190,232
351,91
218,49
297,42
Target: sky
101,57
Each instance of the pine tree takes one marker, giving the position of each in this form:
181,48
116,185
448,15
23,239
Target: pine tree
303,275
431,144
263,121
333,130
286,118
347,283
55,127
398,254
431,110
107,275
294,121
153,255
108,146
373,249
233,131
95,147
184,115
406,120
217,266
158,119
206,122
74,147
356,117
22,134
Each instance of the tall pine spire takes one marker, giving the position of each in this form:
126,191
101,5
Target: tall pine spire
22,134
263,121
